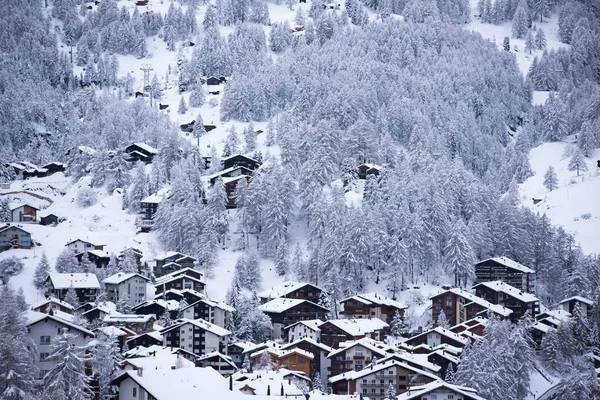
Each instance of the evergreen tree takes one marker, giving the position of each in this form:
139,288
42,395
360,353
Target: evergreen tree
459,254
550,179
182,109
506,44
246,365
41,272
118,174
250,138
450,374
67,380
71,297
197,99
529,42
139,189
106,360
520,20
265,363
391,392
397,324
442,320
17,351
540,39
577,162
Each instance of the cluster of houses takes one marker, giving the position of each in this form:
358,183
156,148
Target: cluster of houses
351,356
25,169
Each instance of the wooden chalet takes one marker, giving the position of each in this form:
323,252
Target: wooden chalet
372,305
232,172
146,339
14,237
149,206
186,278
438,336
294,359
239,160
336,331
136,323
140,152
86,285
440,390
291,290
213,81
53,304
368,169
460,306
498,292
320,363
99,258
158,308
49,219
285,311
172,261
506,270
24,213
219,362
81,246
355,355
569,305
191,296
54,167
230,186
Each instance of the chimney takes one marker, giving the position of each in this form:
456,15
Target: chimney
140,371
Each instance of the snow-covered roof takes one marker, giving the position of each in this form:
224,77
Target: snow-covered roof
226,171
200,323
146,148
33,317
261,381
416,392
86,150
238,155
541,327
312,324
358,326
500,310
159,359
499,286
9,226
229,179
280,305
79,280
368,343
510,264
158,196
51,299
131,318
99,253
166,304
421,360
168,254
22,205
111,331
17,166
579,299
83,241
213,303
283,353
375,298
283,289
371,166
121,277
166,279
310,341
353,375
154,334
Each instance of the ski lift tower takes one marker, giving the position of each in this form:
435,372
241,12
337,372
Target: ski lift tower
147,68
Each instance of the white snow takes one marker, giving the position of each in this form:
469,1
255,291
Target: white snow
282,289
359,326
79,280
499,286
280,305
511,264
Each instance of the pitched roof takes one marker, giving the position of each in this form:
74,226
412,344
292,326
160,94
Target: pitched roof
280,305
153,334
33,317
79,280
146,148
309,323
135,318
158,196
51,299
353,375
358,326
120,277
500,310
313,342
212,303
9,226
238,155
226,171
417,391
507,262
200,323
368,343
578,298
283,289
500,286
23,205
83,241
375,298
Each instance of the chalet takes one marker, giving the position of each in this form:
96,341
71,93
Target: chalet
440,390
54,167
172,383
136,323
355,355
80,246
236,352
219,362
53,304
86,285
232,172
149,206
282,383
292,290
460,306
437,336
304,329
24,213
335,331
368,169
415,360
99,258
43,328
372,305
186,278
135,254
140,152
172,261
476,325
213,81
506,270
373,382
18,169
156,358
129,286
230,186
14,237
190,295
569,305
503,294
49,219
538,331
157,307
294,359
146,339
196,336
320,363
213,311
112,332
96,312
238,160
284,312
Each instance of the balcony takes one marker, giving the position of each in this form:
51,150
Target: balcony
359,357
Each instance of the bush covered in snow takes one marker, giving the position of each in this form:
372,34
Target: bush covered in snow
86,197
10,267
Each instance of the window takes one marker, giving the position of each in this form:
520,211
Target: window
45,339
450,397
44,356
134,392
449,302
302,360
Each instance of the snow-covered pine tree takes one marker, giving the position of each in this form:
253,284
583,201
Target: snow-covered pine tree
459,255
5,214
250,138
540,39
529,42
182,108
550,179
118,174
397,324
317,384
265,362
71,297
106,360
391,392
449,378
67,380
247,365
17,351
520,20
41,272
197,98
442,320
182,306
139,189
577,162
506,44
